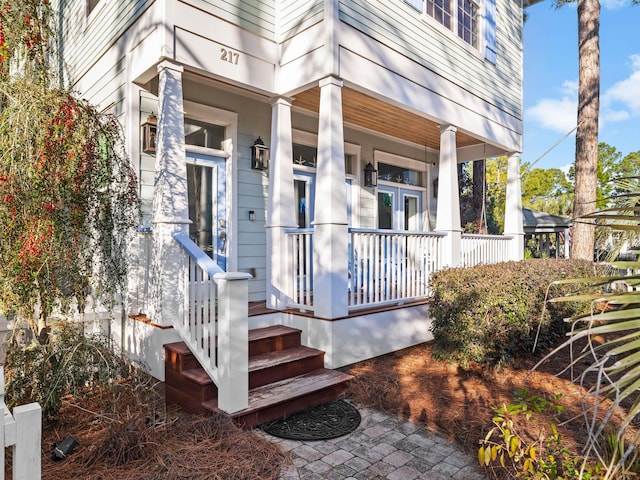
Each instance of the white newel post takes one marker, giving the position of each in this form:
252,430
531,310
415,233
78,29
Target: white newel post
330,234
513,220
448,211
233,341
170,200
23,432
281,206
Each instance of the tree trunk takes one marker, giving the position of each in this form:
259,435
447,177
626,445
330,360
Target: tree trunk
587,131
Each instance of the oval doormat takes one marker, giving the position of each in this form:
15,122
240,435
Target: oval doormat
323,422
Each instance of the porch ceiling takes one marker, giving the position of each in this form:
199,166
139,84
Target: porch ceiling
368,112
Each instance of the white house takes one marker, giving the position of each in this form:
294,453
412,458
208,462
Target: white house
306,151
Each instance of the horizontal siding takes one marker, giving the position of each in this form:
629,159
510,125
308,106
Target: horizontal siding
395,24
256,16
107,23
295,16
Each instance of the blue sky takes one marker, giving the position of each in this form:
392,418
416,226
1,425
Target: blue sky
551,80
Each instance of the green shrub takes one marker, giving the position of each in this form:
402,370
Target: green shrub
491,313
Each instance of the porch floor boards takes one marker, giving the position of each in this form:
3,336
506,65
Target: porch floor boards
284,378
260,308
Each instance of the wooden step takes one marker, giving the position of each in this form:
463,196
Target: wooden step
289,396
272,339
272,367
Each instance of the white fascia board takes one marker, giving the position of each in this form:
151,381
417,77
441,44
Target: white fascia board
304,60
216,30
210,56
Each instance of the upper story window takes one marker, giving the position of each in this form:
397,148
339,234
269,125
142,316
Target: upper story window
461,17
468,22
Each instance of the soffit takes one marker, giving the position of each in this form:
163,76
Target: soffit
370,113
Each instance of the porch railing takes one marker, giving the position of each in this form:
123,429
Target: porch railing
214,323
389,266
385,266
483,249
21,430
299,250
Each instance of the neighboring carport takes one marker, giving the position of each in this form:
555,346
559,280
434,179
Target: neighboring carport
546,235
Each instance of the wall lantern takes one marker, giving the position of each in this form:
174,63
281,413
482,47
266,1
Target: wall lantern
370,176
149,129
259,155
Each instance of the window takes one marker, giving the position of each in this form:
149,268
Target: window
468,22
306,156
441,11
461,17
203,134
399,174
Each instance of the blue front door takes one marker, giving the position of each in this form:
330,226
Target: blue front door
206,181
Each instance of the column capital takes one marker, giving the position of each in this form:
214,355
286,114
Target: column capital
281,100
331,80
448,128
169,65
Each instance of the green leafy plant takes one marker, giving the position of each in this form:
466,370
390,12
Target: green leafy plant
607,337
522,445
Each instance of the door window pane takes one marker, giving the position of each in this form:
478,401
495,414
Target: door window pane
199,188
300,192
411,213
385,210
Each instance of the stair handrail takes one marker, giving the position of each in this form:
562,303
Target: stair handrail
218,340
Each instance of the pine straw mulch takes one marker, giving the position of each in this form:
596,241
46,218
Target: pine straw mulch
457,402
131,435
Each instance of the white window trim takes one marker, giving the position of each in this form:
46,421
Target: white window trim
453,32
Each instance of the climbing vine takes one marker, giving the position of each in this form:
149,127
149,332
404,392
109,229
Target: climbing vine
67,192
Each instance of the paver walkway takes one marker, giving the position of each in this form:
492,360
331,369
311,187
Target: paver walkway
382,447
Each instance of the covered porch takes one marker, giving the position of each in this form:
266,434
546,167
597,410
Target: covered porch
353,257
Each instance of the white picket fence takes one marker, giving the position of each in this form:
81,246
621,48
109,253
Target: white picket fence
21,430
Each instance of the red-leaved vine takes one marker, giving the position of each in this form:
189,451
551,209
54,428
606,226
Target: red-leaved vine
68,196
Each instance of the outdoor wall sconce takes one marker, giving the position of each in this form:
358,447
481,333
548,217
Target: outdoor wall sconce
252,215
149,129
259,155
370,176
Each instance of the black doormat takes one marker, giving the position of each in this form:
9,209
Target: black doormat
323,422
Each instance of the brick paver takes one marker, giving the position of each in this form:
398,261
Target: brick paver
382,447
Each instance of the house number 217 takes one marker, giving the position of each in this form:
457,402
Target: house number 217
230,56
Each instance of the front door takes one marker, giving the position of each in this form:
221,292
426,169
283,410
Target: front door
399,208
206,179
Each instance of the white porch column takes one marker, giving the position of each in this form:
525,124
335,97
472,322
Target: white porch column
281,206
448,211
330,235
170,201
513,220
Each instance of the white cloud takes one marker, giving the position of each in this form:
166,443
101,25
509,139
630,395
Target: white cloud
619,102
615,4
624,96
558,115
